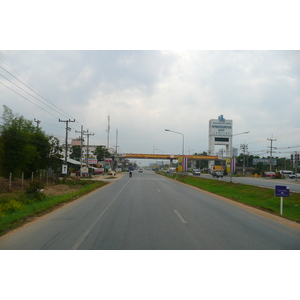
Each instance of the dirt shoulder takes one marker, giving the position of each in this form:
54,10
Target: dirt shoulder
50,189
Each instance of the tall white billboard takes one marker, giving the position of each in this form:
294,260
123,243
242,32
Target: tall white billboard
220,133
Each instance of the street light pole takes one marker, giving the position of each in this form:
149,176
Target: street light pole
182,164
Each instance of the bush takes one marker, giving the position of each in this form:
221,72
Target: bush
11,206
34,191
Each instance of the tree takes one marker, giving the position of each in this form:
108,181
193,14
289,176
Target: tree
17,150
54,156
24,147
101,152
259,167
76,153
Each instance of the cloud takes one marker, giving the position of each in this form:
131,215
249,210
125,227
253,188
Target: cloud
145,92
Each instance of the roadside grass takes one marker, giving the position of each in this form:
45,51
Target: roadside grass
14,212
262,198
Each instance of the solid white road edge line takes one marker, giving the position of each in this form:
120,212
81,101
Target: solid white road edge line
86,233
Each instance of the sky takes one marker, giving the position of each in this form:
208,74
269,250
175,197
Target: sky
145,92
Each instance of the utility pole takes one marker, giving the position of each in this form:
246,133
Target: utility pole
117,141
244,147
67,129
37,122
296,160
108,129
271,140
87,151
81,142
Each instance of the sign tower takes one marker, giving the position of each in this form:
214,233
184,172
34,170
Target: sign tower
220,133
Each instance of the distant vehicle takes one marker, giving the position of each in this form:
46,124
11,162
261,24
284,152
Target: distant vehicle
270,174
140,170
286,172
196,172
293,176
217,174
111,173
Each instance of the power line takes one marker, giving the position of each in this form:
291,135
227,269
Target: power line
33,91
30,94
59,111
29,100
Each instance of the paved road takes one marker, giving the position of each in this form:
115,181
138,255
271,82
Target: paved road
149,211
264,182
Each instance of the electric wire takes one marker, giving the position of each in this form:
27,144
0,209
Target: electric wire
29,100
66,114
30,94
63,112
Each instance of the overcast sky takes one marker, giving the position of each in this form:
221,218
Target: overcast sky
145,92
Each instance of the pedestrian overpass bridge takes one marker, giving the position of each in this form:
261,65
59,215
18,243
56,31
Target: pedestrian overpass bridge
181,162
167,156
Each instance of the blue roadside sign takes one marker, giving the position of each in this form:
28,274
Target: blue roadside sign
282,191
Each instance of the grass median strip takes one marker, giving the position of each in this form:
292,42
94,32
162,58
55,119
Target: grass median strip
14,211
259,197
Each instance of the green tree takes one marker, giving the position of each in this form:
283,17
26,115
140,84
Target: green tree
259,168
24,147
17,152
101,152
76,153
54,155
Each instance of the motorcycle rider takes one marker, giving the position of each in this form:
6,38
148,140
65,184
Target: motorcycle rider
130,173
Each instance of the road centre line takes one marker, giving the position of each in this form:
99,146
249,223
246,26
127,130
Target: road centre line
158,190
180,217
86,233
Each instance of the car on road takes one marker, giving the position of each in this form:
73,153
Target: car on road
196,172
140,170
293,176
111,173
217,174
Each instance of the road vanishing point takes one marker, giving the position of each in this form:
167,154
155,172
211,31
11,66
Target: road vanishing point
152,212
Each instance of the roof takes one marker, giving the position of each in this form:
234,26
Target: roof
71,161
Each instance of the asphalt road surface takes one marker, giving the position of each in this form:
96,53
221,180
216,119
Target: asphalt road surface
292,184
149,211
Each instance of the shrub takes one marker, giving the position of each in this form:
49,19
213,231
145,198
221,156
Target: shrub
34,191
11,206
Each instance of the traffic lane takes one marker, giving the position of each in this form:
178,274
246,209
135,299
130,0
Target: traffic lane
229,226
140,221
262,182
121,217
175,217
62,228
